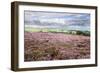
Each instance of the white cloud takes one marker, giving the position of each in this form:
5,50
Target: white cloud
46,19
53,20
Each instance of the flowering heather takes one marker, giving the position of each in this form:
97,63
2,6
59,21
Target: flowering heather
43,46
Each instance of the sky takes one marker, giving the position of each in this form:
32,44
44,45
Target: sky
42,19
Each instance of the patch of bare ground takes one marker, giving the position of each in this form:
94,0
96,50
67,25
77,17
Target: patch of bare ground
41,46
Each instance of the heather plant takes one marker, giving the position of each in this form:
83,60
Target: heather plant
44,46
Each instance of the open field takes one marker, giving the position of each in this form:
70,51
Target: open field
55,30
44,29
41,46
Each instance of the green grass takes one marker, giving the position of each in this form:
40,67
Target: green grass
30,29
53,30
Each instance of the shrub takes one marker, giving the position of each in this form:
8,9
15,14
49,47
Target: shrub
52,51
85,33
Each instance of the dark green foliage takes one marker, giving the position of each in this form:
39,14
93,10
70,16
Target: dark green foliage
85,33
77,32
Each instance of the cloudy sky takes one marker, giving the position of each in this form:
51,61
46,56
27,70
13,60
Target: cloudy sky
56,19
